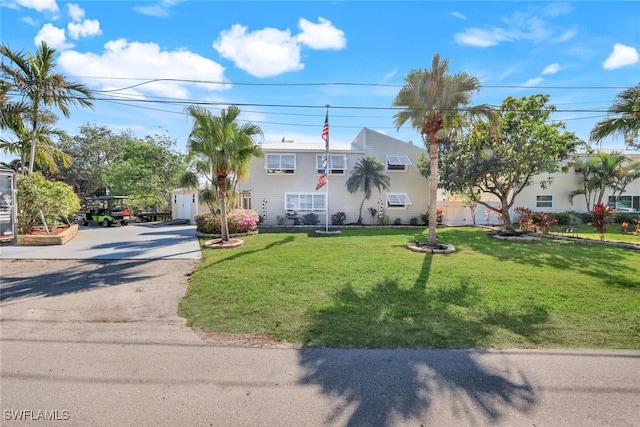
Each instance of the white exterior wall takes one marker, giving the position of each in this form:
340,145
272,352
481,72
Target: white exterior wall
269,190
562,185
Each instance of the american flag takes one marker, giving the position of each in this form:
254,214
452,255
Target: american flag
325,132
325,137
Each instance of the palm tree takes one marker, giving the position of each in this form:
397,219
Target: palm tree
227,146
607,170
432,101
33,77
367,173
626,109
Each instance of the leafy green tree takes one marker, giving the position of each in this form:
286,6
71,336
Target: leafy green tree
148,170
433,102
624,120
367,174
94,150
227,147
56,201
526,146
33,77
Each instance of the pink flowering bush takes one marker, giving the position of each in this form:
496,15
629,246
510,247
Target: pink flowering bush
239,221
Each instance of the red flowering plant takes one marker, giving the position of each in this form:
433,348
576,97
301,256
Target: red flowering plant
600,215
624,226
240,221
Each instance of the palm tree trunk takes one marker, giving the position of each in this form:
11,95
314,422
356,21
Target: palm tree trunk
433,188
360,212
222,195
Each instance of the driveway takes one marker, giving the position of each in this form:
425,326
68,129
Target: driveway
134,241
90,337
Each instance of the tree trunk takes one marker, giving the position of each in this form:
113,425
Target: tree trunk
433,188
506,217
222,195
360,213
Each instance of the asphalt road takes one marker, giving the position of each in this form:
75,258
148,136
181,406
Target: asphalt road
90,337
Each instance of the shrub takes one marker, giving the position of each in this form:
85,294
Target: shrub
281,219
239,221
383,219
526,219
569,218
56,201
338,218
397,221
425,218
310,219
545,221
413,221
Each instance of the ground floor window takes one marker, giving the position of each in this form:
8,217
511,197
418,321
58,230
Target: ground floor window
305,202
628,201
544,201
245,199
398,200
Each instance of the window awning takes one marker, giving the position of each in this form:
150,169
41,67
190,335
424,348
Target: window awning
398,199
398,160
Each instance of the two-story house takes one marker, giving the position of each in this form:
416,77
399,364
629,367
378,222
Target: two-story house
284,182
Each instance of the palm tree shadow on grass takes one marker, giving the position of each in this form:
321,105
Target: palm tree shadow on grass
381,387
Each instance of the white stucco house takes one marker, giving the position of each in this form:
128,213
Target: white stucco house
555,198
284,181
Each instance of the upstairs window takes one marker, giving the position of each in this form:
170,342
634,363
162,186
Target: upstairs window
336,164
280,163
398,163
398,200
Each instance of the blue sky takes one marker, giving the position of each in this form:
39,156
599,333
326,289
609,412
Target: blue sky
282,62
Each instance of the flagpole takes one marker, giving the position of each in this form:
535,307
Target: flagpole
326,211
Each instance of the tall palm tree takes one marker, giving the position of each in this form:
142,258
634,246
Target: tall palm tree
432,100
626,120
33,77
228,147
366,175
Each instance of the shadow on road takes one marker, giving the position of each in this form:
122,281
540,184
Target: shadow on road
85,276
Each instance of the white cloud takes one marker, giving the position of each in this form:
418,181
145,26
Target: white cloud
75,12
264,53
551,69
532,82
53,36
621,56
566,36
30,21
160,9
519,26
270,52
458,15
40,5
89,27
121,59
321,36
479,37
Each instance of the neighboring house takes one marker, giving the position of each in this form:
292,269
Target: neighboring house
555,198
284,181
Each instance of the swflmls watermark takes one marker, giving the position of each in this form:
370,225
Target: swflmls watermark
36,415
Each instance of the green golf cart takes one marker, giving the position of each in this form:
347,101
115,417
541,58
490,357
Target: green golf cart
105,211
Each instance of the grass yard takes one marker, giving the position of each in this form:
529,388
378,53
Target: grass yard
613,234
364,288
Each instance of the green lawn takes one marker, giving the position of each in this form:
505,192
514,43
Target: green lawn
364,288
613,234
